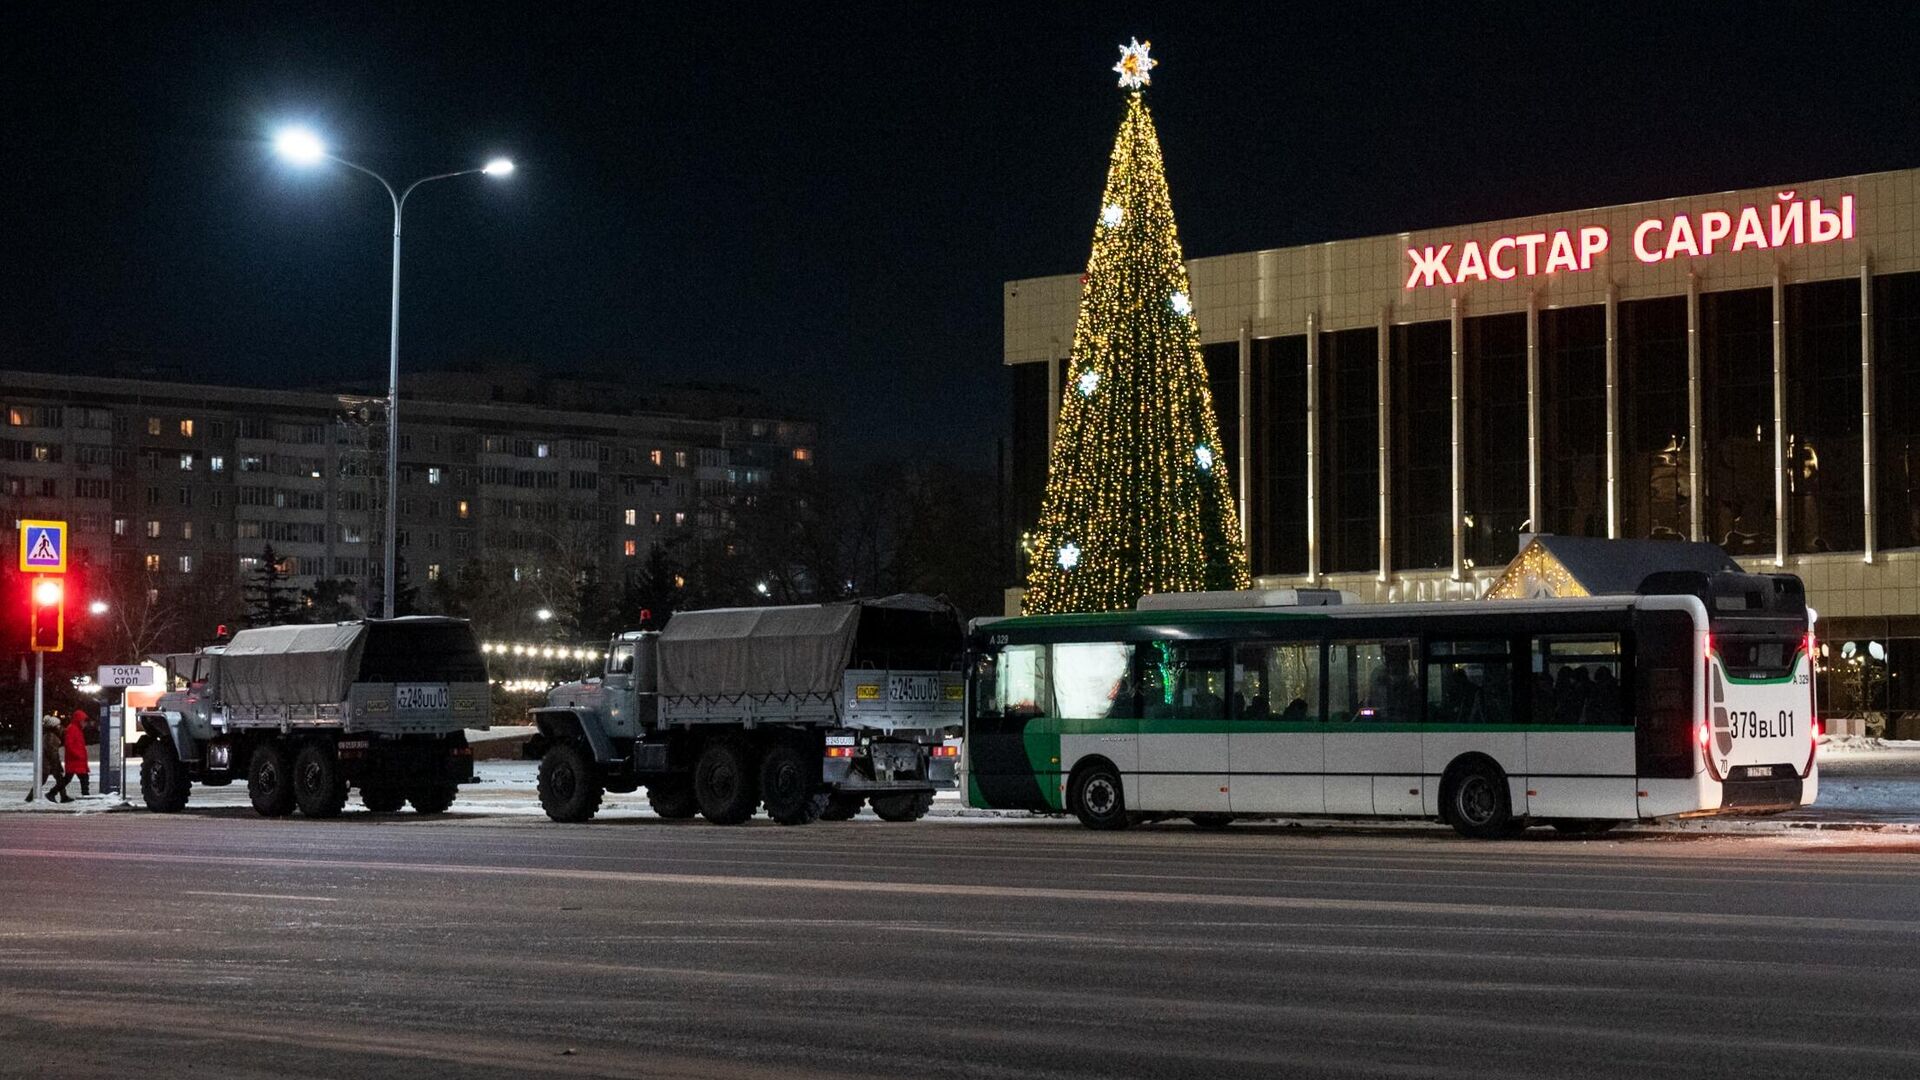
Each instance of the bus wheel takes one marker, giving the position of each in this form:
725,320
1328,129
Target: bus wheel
1211,822
270,780
1583,827
318,787
723,782
842,807
1477,804
1097,799
163,780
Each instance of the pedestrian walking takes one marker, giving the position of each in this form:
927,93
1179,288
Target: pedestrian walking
76,742
51,758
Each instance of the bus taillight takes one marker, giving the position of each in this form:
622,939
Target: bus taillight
1706,734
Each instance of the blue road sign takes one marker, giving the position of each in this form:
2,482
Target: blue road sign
43,547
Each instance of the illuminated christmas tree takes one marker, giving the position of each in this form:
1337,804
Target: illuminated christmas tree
1137,495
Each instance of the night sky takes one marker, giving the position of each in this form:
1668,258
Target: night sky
820,199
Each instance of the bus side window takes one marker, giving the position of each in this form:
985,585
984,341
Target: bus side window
1277,681
1373,681
1576,680
1021,680
1469,682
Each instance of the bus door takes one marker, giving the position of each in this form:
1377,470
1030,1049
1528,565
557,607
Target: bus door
1372,745
1580,740
1183,726
1278,748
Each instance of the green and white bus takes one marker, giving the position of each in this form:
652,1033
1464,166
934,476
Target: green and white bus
1694,696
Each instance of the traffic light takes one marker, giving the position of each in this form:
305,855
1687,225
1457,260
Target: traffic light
49,604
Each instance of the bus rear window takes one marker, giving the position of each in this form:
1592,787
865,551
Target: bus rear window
1756,657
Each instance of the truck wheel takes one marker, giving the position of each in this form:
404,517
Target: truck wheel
787,784
270,780
908,806
318,788
673,799
383,800
163,780
432,798
569,787
723,783
842,807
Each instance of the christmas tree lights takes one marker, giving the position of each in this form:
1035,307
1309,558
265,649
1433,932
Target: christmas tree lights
1137,499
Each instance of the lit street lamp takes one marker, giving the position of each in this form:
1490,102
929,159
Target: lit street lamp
301,146
98,607
544,614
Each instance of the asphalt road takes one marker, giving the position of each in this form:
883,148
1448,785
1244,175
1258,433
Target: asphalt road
216,944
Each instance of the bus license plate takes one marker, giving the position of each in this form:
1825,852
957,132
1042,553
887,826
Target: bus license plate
913,689
420,698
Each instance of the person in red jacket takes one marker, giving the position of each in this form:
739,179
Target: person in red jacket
76,740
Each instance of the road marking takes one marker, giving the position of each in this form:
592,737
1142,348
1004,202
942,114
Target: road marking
264,896
1503,912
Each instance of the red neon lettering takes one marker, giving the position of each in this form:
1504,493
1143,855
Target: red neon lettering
1791,226
1429,266
1823,225
1470,263
1505,243
1531,241
1681,242
1593,241
1749,234
1846,217
1714,225
1640,240
1560,253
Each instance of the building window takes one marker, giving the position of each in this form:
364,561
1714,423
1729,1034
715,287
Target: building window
1825,511
186,530
119,526
541,450
433,571
801,453
153,428
630,547
186,428
1494,393
1573,415
464,510
186,496
679,517
434,474
216,463
1736,362
1279,393
1349,452
153,530
186,462
1655,492
656,456
633,517
680,459
1421,360
186,564
1896,415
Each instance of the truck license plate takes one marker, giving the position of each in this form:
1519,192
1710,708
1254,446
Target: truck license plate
420,698
913,689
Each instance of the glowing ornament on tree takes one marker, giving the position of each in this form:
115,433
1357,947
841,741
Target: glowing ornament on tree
1088,380
1203,455
1112,216
1069,555
1135,67
1182,304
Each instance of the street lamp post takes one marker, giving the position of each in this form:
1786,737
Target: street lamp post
303,147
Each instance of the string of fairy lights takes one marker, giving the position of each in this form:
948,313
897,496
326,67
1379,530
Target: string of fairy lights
1137,500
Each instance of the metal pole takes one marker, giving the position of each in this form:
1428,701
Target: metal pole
1613,410
1866,409
1245,449
1779,418
1313,448
1696,498
1458,459
393,427
39,735
1534,514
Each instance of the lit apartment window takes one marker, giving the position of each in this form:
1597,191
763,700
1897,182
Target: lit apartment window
216,464
801,453
186,530
186,564
119,526
153,530
633,518
153,564
540,450
153,428
630,549
655,456
186,428
680,458
463,508
433,474
186,462
679,517
433,571
657,517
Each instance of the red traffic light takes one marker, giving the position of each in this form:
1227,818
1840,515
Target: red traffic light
49,615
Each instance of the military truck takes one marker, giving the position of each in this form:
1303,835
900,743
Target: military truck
810,710
305,712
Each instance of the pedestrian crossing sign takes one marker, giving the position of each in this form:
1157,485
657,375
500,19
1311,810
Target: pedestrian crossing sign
43,547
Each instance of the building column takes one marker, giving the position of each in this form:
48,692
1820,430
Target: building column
1779,417
1313,447
1245,448
1533,413
1613,411
1696,499
1383,347
1459,462
1866,407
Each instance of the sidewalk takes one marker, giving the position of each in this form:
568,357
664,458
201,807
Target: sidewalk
1864,785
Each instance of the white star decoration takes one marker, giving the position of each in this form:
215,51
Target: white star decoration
1135,66
1182,304
1069,555
1112,215
1204,455
1088,380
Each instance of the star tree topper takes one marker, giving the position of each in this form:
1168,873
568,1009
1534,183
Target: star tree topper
1135,66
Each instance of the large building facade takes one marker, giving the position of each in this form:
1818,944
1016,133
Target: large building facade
194,482
1740,367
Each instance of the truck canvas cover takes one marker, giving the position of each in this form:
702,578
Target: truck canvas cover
273,665
806,649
